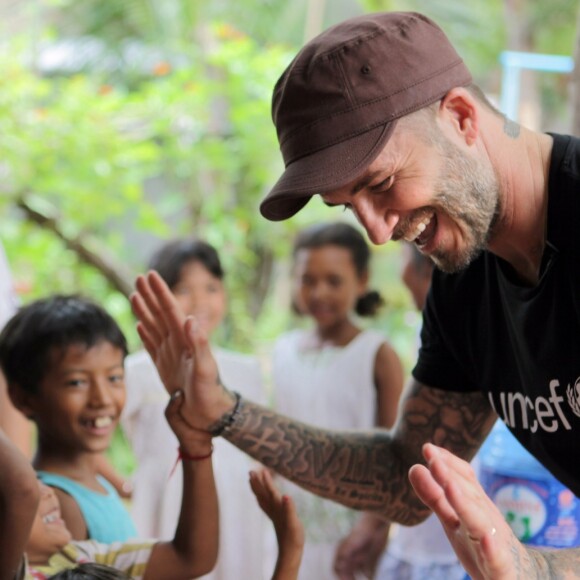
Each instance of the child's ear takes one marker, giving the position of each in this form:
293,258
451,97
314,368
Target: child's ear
22,400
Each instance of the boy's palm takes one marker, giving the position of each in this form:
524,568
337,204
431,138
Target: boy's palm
289,530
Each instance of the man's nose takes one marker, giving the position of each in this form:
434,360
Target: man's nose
379,225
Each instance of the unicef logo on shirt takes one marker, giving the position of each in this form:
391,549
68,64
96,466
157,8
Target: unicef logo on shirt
524,510
573,394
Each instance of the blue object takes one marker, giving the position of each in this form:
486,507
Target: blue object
105,515
513,62
540,510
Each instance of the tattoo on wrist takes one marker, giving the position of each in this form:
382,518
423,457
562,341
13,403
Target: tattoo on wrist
225,423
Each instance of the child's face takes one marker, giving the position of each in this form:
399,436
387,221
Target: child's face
49,533
327,285
202,295
417,282
79,399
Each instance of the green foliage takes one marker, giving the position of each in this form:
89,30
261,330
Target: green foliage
93,160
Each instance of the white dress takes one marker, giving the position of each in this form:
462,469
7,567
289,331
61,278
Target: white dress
157,497
330,387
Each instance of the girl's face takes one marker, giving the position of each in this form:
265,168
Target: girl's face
202,295
49,533
79,399
327,285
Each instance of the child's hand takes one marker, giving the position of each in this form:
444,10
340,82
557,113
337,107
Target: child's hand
289,530
193,442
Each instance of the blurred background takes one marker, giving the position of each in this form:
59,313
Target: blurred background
126,123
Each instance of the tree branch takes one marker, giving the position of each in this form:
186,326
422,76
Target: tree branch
115,274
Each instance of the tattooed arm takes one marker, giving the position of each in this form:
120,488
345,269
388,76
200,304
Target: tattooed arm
366,470
363,470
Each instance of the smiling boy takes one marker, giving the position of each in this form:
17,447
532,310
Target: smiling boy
63,359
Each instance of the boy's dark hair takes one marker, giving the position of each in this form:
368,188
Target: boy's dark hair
33,334
345,236
91,572
169,260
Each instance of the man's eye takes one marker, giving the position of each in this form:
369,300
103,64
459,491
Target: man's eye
383,185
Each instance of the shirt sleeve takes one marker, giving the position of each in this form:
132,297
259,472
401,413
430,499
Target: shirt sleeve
439,365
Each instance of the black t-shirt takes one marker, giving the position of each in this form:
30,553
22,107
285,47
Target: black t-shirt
519,345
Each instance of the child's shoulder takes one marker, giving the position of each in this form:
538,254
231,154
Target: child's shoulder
240,372
226,356
139,359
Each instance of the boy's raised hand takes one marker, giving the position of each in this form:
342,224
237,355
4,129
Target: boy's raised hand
289,530
180,351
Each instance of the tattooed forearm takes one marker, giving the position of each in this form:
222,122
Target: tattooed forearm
365,470
556,565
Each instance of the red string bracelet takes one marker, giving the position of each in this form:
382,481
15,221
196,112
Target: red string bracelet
181,455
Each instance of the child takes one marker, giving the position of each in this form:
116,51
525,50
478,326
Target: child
63,361
27,525
12,422
192,270
33,524
314,370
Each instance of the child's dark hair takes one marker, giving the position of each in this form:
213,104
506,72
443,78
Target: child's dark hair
169,260
90,571
345,236
33,334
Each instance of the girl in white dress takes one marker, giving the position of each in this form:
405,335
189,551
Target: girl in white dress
314,372
192,269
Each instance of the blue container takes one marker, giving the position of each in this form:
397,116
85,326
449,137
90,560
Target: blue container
540,510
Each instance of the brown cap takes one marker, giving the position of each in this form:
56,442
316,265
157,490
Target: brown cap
337,103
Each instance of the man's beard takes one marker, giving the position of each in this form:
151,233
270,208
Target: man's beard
468,192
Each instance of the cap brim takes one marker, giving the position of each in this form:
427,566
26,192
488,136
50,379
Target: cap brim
323,171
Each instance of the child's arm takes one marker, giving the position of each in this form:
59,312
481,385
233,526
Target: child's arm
19,497
289,531
14,424
193,550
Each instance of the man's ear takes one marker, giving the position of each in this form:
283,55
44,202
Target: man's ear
22,400
461,112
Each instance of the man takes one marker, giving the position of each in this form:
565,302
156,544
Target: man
379,114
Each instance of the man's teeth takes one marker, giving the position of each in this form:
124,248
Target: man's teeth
50,518
419,229
102,422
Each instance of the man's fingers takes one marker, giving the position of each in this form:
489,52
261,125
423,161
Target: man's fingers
432,495
465,496
150,310
166,304
143,314
149,343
